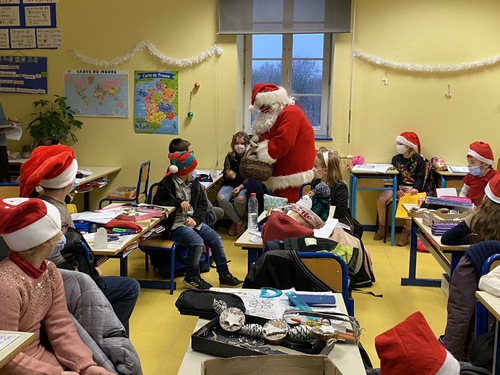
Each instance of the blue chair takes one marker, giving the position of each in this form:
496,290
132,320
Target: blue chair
141,189
332,270
481,311
304,189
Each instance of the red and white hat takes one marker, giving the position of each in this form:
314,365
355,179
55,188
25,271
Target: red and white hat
409,139
492,189
28,222
412,348
52,167
481,151
265,94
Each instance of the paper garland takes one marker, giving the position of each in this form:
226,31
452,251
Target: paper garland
427,68
119,60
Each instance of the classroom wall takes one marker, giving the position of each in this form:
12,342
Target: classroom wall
426,32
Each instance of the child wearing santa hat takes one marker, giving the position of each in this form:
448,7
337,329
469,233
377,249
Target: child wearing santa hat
54,168
480,160
309,213
32,292
411,167
186,225
412,348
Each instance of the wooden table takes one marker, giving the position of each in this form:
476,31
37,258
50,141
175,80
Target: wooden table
16,346
492,303
345,356
126,248
361,180
254,249
436,248
97,173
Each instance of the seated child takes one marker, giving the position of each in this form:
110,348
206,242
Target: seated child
411,347
309,213
480,161
179,189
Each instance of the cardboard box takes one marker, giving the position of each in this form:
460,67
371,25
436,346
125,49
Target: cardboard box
436,216
271,364
127,192
212,339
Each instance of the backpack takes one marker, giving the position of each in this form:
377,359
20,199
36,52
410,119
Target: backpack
351,255
78,256
364,277
429,185
481,353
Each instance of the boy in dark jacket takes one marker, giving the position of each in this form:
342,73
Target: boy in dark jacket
185,226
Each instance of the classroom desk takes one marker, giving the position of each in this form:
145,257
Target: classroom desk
345,356
125,250
448,179
16,346
360,180
492,303
97,173
253,249
436,248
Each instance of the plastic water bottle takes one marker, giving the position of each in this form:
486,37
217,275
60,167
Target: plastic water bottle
253,213
420,200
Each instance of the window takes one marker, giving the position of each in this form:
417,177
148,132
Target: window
302,64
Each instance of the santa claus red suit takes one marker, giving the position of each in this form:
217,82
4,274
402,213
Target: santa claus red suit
286,140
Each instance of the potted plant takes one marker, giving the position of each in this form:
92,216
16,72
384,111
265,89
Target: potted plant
55,119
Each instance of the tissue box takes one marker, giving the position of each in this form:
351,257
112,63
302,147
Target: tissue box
127,192
271,364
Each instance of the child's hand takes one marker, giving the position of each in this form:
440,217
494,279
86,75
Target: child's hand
190,222
185,206
400,193
231,174
236,190
413,191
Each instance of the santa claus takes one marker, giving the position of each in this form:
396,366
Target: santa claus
285,139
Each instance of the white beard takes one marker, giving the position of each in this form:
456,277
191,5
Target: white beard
265,120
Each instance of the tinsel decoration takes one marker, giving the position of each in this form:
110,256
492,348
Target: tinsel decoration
170,61
427,68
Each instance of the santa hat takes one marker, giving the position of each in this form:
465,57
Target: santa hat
52,167
315,207
28,222
481,151
411,348
181,163
492,189
409,139
265,94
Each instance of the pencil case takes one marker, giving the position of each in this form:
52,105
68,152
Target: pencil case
201,302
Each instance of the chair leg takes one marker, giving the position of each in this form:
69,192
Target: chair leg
386,225
146,260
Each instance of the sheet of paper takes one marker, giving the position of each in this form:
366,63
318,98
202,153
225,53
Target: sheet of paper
327,229
372,167
114,241
7,338
401,212
457,169
446,192
97,217
11,132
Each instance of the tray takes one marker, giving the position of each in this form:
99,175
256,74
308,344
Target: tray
212,339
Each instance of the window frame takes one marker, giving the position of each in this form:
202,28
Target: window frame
322,132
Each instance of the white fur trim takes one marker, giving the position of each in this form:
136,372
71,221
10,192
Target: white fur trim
271,97
64,179
36,233
263,152
475,155
404,141
292,180
489,193
173,168
450,366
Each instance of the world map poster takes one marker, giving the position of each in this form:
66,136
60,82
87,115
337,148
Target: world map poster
156,104
97,92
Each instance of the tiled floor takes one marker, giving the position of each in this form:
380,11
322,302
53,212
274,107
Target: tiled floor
161,335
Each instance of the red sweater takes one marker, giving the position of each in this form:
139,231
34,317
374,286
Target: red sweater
477,186
28,305
280,226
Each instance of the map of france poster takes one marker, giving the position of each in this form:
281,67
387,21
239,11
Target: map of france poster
156,104
97,92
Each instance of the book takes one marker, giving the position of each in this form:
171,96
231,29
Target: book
372,167
316,300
